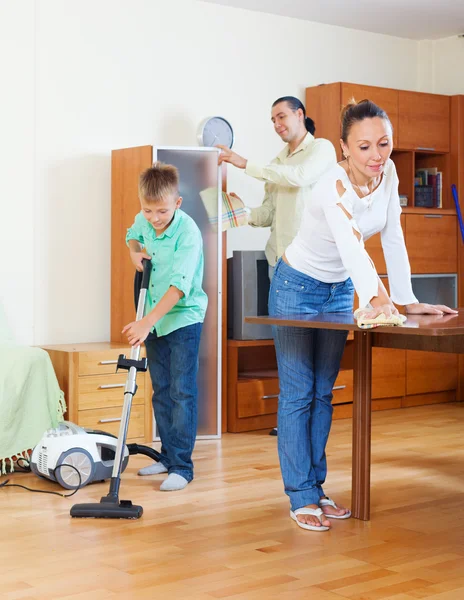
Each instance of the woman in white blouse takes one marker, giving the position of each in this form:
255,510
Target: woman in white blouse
319,272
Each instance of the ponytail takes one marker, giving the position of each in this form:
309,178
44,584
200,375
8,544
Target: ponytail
310,125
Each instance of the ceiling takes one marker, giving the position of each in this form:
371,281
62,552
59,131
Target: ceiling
413,19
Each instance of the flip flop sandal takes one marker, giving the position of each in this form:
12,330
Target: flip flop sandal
329,502
315,512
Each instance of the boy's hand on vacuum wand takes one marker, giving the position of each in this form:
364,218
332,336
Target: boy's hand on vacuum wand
137,331
137,257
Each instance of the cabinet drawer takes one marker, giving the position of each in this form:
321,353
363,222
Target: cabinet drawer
257,397
103,362
107,390
432,243
343,388
109,420
260,397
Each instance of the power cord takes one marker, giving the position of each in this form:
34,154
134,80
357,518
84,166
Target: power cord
27,469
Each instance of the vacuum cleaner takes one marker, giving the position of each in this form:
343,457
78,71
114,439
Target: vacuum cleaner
73,456
110,507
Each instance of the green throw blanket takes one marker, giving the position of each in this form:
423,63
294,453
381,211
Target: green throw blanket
30,400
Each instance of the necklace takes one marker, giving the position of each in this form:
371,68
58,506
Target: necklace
356,184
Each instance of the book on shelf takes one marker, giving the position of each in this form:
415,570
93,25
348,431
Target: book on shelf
424,179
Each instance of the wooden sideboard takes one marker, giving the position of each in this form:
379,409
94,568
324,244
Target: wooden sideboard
94,392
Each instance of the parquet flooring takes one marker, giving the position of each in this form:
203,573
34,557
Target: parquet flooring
228,535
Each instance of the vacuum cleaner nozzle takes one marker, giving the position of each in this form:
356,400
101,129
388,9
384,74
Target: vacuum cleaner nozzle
107,509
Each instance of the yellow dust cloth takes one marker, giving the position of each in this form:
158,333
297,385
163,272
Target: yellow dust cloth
233,211
379,321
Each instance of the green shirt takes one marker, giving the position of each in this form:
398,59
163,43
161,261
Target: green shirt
177,259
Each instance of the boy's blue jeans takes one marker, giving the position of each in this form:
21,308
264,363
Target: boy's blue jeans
173,365
308,361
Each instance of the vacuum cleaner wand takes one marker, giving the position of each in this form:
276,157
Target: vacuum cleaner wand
110,507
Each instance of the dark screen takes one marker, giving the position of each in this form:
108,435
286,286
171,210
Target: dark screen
263,284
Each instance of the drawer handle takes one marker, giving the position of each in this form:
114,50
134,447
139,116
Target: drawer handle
108,362
109,386
423,148
433,216
270,396
109,420
339,387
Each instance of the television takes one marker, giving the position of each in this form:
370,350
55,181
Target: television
247,294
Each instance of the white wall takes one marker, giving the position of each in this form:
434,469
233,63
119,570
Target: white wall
449,65
441,66
17,166
112,74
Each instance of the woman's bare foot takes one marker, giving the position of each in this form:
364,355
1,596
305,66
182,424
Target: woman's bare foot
312,520
337,510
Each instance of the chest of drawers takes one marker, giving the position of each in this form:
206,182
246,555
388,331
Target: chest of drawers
94,392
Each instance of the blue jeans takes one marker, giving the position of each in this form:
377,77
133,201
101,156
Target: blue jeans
308,361
173,365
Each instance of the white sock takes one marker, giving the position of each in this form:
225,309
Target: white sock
154,469
173,483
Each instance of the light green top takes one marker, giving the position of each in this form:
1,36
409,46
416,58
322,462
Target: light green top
289,179
177,260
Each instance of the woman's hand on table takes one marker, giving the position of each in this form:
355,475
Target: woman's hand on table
387,309
421,308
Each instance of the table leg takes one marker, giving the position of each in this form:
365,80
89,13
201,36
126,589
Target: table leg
361,475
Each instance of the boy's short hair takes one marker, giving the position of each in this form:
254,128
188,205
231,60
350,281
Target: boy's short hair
158,181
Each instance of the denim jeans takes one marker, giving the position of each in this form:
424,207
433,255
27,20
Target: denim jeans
308,361
173,365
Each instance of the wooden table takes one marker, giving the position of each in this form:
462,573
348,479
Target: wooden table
420,332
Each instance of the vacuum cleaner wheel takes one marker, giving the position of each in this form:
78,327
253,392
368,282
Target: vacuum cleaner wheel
81,460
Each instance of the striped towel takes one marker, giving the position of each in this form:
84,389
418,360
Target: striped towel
233,211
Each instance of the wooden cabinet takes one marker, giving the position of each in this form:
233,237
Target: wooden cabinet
324,103
253,384
431,240
424,121
420,121
421,127
126,166
94,392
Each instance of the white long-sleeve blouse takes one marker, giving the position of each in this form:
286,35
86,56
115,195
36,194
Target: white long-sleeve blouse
327,249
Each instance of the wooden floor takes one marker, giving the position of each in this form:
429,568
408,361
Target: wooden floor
229,535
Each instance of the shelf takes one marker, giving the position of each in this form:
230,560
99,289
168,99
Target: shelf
413,210
258,374
249,343
420,151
